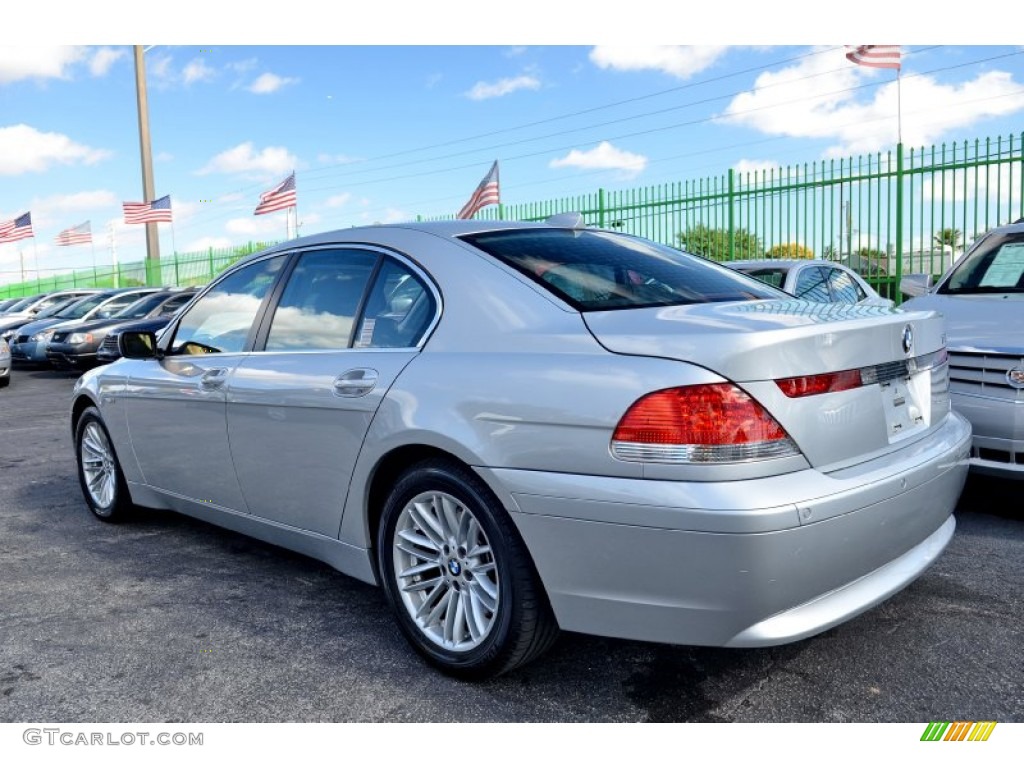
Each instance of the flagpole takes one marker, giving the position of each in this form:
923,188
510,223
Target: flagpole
899,109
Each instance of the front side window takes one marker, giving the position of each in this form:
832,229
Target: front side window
220,321
596,270
319,305
995,266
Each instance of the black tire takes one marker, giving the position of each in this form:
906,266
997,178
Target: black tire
91,436
521,625
5,381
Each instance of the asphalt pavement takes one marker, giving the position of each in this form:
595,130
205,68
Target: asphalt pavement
169,619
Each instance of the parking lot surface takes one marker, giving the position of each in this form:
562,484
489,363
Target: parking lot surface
169,619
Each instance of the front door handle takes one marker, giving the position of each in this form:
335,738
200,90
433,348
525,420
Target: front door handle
213,378
355,383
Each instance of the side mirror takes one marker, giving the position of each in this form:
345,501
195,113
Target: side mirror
138,345
915,285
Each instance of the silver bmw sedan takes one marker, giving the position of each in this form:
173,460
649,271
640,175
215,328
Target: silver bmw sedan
515,428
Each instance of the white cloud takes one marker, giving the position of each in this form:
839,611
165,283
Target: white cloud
433,80
245,159
388,216
163,157
205,243
158,67
755,166
79,201
268,82
245,65
604,156
103,59
819,98
257,225
680,61
502,87
326,159
196,71
337,201
24,149
514,51
42,61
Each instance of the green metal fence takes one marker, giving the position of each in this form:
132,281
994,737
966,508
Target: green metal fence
885,214
179,269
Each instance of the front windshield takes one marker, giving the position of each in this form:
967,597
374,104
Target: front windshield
996,265
82,307
20,306
57,308
142,307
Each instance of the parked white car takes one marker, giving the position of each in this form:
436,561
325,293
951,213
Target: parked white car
817,280
982,298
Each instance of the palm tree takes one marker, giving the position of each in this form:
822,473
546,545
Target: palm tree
948,236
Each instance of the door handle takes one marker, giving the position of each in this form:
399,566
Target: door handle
213,378
355,383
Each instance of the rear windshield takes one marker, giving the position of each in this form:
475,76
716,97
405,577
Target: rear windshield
594,270
995,266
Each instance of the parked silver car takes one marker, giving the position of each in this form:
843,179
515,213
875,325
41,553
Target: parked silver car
520,427
5,364
815,280
982,298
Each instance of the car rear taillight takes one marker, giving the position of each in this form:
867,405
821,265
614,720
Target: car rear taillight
702,424
819,384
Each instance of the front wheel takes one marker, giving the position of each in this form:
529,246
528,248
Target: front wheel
458,576
99,472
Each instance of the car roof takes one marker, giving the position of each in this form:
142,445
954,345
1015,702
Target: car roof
787,263
382,233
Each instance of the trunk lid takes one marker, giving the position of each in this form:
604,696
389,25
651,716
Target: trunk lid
756,343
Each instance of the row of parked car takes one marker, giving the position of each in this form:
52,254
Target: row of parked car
78,329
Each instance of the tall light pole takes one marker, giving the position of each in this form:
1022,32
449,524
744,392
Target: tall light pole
148,186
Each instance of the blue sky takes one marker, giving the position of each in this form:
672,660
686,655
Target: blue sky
382,133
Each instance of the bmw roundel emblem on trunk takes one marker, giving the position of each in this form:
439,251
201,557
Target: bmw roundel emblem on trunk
908,339
1015,377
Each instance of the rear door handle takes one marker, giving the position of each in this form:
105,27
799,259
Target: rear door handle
213,378
356,382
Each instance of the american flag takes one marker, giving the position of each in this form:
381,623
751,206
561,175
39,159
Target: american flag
280,197
878,56
75,235
16,229
486,193
143,213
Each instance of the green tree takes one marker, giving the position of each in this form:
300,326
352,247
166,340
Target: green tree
948,236
790,251
714,243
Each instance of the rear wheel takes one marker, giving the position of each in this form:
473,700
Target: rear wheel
99,472
458,576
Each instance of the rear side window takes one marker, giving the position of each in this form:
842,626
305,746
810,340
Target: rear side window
812,285
398,312
594,270
320,303
844,288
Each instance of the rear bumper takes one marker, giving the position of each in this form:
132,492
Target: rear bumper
748,563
